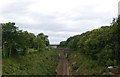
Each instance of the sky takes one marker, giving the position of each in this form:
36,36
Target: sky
59,19
119,8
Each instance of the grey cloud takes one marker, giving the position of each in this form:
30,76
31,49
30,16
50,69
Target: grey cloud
56,40
119,8
85,18
16,7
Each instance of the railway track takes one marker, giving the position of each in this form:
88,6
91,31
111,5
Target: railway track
63,66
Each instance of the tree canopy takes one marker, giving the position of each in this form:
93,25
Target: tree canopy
18,42
101,44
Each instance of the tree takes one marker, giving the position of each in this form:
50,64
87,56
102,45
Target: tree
99,44
9,32
40,42
63,44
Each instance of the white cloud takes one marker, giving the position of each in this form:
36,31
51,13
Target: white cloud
119,8
59,19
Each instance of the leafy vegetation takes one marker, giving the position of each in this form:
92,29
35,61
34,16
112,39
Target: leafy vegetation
18,42
100,45
25,53
39,63
83,65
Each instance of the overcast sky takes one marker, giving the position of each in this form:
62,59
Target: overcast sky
59,19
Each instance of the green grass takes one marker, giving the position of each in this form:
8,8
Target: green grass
40,63
82,65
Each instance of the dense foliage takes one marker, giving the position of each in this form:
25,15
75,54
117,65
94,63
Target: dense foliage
101,44
18,42
39,63
25,53
83,65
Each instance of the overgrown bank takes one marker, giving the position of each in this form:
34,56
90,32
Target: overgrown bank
83,65
99,46
39,63
25,53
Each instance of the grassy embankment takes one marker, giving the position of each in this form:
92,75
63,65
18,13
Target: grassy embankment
83,65
39,63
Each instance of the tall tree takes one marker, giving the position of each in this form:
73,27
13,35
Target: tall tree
9,32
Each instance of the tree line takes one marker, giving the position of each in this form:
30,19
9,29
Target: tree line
19,42
101,45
